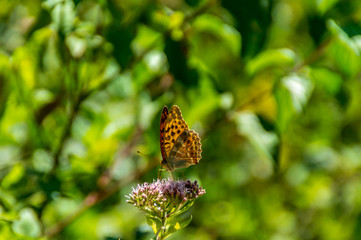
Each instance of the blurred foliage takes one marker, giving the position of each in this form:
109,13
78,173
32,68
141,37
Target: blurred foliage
273,88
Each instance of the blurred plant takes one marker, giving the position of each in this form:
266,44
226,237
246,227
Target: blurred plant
164,202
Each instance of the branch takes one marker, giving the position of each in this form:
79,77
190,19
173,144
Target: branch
314,56
108,189
65,134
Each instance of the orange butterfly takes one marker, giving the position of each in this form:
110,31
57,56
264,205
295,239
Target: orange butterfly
180,146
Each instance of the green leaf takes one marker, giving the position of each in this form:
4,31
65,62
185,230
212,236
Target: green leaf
185,208
326,79
76,45
229,38
42,160
249,125
182,221
154,223
14,176
28,224
324,5
177,222
292,95
343,50
57,209
5,86
271,58
169,232
62,14
8,201
146,38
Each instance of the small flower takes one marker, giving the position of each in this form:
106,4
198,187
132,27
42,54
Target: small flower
163,195
163,200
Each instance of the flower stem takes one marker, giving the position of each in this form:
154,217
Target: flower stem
162,230
157,236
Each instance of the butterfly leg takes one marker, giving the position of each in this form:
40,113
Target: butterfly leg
171,173
159,172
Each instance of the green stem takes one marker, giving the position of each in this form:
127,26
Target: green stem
175,210
157,234
161,232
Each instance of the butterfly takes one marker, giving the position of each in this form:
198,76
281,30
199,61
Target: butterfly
180,146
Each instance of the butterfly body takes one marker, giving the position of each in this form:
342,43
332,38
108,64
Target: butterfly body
180,146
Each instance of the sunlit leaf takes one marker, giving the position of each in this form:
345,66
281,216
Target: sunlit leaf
264,142
177,223
292,95
28,224
182,221
326,79
42,160
76,45
154,223
230,38
324,5
15,175
271,58
63,14
23,60
7,155
57,209
146,38
344,50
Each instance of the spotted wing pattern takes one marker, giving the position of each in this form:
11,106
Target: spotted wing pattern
174,125
180,146
163,118
189,151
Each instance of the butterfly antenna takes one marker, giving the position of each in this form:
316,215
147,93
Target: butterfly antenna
171,173
143,154
160,172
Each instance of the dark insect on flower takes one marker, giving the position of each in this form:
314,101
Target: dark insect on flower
163,201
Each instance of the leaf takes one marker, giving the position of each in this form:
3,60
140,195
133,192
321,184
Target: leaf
14,176
249,125
343,50
227,36
324,5
185,208
178,222
28,224
146,38
42,160
292,95
154,223
5,86
271,58
63,15
183,222
76,45
326,79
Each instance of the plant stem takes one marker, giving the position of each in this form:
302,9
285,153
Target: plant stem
160,234
157,237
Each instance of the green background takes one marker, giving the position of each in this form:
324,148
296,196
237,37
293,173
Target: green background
272,87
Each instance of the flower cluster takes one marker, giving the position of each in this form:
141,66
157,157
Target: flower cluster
164,196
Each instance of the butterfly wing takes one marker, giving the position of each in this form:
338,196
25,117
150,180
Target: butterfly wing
186,150
163,118
174,126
